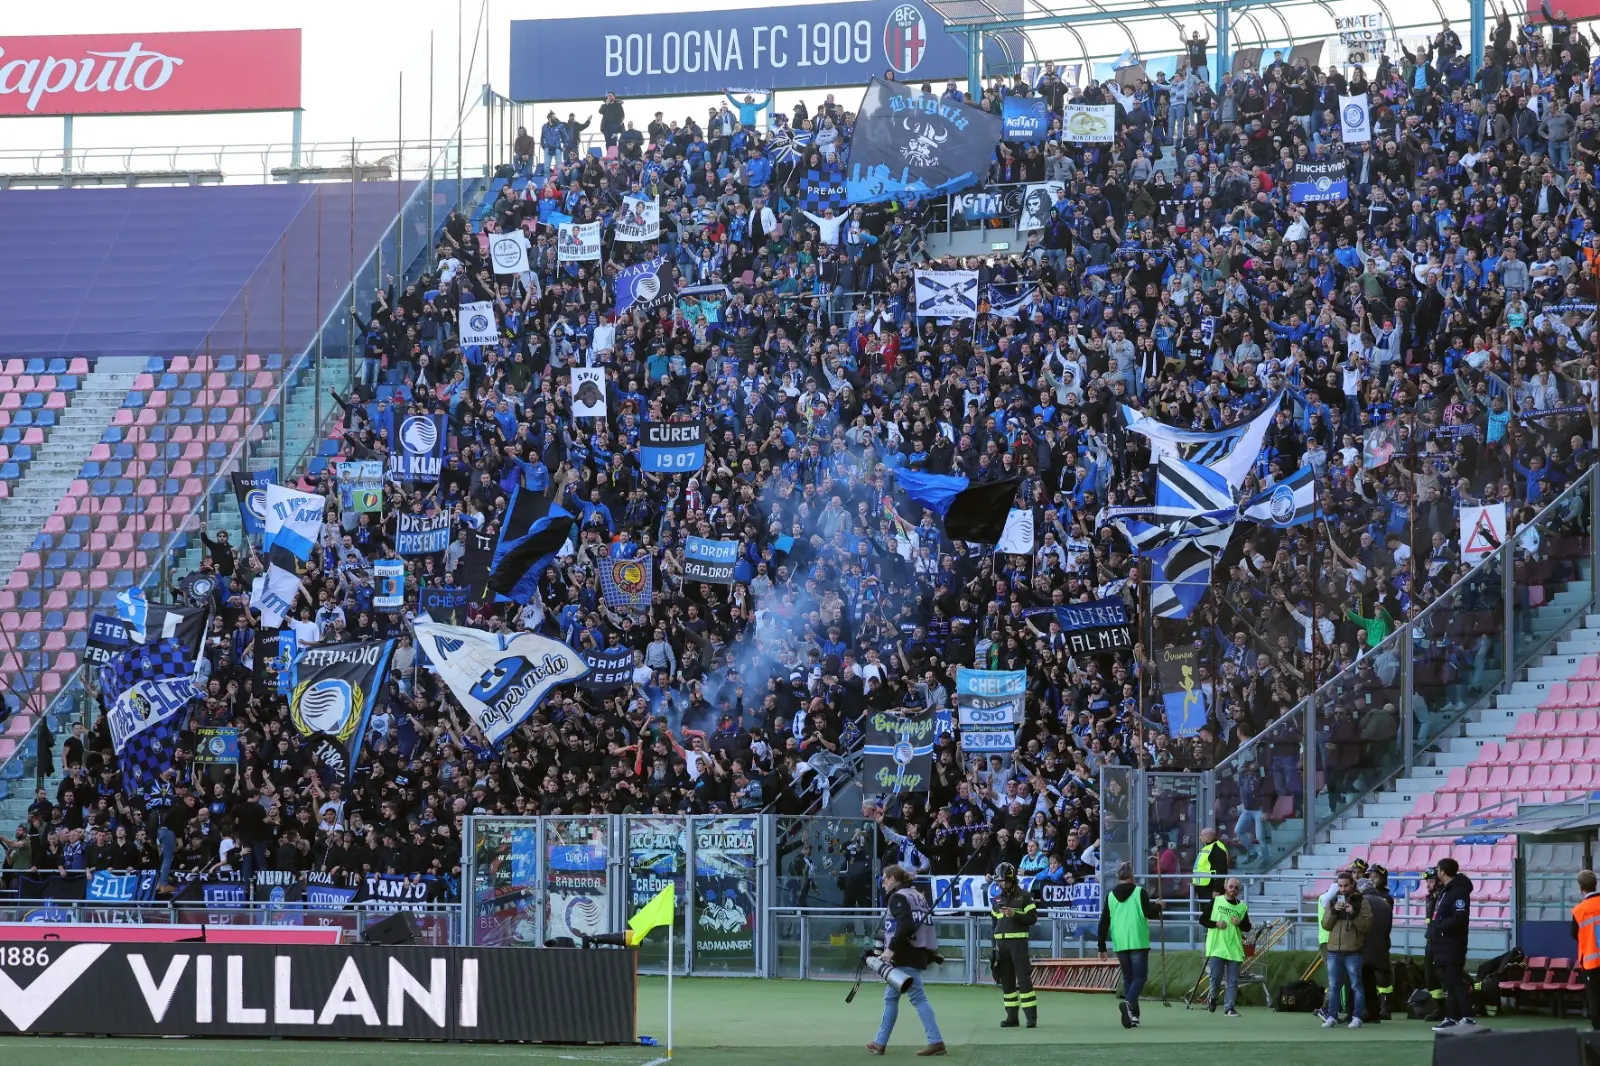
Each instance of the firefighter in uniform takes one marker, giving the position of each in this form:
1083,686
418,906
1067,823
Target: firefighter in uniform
1585,926
1430,970
1014,912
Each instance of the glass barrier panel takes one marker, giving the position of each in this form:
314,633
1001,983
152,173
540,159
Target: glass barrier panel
1552,569
658,856
1357,734
725,887
505,889
1259,806
576,898
1457,652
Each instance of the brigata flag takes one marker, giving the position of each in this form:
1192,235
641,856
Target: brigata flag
1096,626
899,752
1317,181
973,512
338,685
250,489
907,143
498,678
711,561
416,446
294,521
672,447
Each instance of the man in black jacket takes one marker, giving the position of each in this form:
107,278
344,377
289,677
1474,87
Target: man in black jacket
1376,976
911,944
1447,937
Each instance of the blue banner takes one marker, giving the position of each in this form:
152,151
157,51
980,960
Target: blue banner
443,604
416,445
216,745
672,447
1024,118
907,144
107,887
250,489
711,561
417,534
697,53
1317,182
288,653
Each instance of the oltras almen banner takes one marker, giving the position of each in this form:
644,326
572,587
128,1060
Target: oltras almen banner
499,679
333,702
358,990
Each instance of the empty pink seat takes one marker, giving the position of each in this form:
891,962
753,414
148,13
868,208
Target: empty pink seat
71,580
1424,807
1589,718
1583,776
55,401
79,366
179,364
1496,777
1478,777
55,641
144,383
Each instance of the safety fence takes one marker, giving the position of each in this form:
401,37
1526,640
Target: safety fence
439,925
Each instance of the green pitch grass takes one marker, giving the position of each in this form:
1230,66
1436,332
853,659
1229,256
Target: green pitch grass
806,1023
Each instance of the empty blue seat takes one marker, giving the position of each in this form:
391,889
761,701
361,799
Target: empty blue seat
100,486
82,600
112,469
157,435
122,579
172,452
42,542
33,401
172,416
57,365
218,450
317,465
45,418
54,620
46,580
29,600
10,471
89,470
23,453
125,452
150,542
193,417
12,435
194,381
227,363
35,367
80,639
111,435
254,397
107,598
56,560
30,642
328,448
134,400
70,541
80,524
238,379
22,419
158,468
67,383
122,487
219,416
181,398
154,365
82,561
168,382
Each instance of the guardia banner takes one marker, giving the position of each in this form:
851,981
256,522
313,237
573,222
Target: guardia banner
899,752
725,894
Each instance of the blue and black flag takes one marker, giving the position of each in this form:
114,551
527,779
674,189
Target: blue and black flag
146,690
909,144
971,512
534,530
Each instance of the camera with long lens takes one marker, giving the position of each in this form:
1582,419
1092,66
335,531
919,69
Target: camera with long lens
891,974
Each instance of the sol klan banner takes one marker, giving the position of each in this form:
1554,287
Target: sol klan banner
577,903
725,894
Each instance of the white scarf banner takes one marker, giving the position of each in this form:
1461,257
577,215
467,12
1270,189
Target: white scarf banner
509,252
499,679
477,325
1355,120
638,220
273,594
947,293
1089,123
578,242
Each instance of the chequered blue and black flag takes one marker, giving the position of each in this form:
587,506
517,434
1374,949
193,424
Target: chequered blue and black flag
147,753
822,187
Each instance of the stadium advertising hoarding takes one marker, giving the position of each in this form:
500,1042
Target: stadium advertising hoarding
359,990
150,73
690,53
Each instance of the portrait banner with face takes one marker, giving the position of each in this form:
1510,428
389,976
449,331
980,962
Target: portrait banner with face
588,387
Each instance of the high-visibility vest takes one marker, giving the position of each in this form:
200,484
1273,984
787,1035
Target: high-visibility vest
1130,929
1203,864
1225,941
1587,915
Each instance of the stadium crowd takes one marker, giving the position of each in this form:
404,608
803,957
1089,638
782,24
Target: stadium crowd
1449,298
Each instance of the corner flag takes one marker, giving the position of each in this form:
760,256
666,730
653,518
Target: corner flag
653,915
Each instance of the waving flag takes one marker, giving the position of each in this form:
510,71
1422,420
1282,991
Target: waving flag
1291,502
786,147
1186,490
1020,305
1231,452
1180,572
646,286
971,512
133,610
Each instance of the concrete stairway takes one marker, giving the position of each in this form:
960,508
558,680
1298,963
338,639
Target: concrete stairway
1352,834
62,456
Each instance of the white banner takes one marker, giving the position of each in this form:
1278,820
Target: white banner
273,594
145,704
477,325
499,679
1017,539
389,584
1355,120
947,293
1483,529
638,220
577,242
1089,123
588,387
1037,201
509,252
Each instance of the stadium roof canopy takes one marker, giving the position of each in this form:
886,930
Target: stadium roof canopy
1098,32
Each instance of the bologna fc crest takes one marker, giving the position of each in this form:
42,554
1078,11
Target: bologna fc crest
905,38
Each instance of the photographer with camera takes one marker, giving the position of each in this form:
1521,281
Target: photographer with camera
1014,912
909,945
1347,921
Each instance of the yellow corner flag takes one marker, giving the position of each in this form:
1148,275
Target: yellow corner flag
652,915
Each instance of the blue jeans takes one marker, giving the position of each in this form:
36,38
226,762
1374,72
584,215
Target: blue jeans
1225,970
1135,972
169,848
1344,968
919,999
1560,152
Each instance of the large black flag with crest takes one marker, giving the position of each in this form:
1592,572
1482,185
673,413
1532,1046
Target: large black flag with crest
907,143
